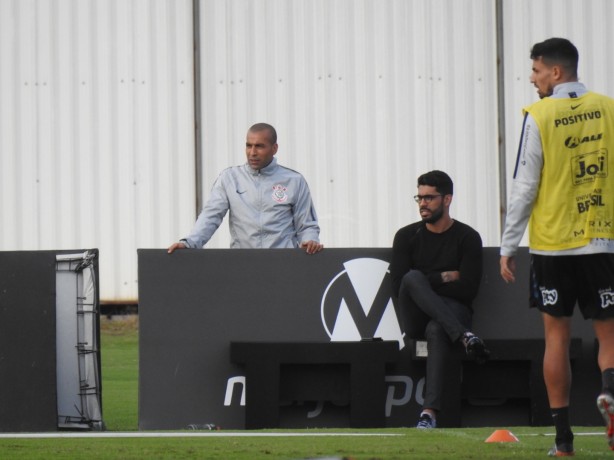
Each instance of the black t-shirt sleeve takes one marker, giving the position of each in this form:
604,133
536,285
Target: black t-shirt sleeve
401,261
469,265
458,249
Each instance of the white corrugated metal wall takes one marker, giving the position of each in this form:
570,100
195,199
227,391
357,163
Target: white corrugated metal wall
96,129
365,95
97,120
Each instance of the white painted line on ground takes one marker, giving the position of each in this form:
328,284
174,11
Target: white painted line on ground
216,434
601,433
199,434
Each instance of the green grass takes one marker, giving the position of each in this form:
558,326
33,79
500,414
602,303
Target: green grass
120,369
120,408
409,443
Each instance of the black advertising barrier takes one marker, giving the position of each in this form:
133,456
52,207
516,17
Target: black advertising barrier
27,342
49,335
194,303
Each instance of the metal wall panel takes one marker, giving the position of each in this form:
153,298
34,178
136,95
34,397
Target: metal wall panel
96,129
97,111
366,95
587,23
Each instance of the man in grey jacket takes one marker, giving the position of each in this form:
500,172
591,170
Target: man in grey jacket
270,205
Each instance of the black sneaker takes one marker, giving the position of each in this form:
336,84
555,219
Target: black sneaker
563,449
475,347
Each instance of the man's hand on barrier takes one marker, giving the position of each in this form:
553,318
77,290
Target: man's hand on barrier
311,247
174,246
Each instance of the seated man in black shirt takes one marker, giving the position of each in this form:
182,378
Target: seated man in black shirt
436,270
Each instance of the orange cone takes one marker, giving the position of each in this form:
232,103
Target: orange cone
502,436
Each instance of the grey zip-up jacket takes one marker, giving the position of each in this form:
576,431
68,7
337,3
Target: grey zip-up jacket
270,208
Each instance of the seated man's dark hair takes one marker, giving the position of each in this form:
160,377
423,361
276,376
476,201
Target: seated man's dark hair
438,179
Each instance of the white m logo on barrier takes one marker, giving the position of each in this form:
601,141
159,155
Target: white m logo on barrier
357,303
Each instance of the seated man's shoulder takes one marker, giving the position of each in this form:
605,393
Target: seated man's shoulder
410,229
466,229
465,226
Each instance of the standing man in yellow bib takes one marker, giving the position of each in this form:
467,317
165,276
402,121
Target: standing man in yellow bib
564,188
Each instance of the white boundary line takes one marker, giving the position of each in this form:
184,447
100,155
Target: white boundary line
217,434
601,433
212,434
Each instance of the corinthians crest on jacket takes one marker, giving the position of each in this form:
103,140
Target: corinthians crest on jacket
279,193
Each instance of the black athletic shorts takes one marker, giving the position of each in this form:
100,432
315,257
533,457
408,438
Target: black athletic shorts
558,282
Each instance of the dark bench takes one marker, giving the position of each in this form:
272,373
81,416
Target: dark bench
353,371
514,371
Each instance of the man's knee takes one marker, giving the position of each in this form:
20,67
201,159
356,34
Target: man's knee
413,279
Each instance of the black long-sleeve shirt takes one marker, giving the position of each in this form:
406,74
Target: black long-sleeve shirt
457,249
